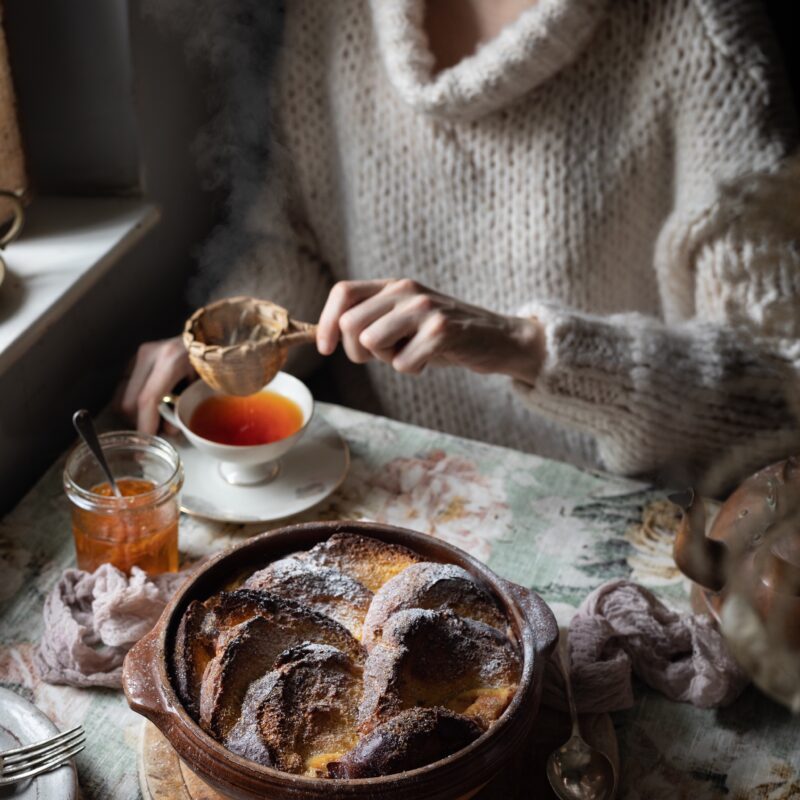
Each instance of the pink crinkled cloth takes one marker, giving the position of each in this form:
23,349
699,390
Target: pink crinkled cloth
621,629
92,619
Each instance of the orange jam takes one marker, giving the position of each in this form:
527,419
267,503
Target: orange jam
259,418
142,531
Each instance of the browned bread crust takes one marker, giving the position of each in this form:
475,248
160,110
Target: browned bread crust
433,586
248,649
414,738
321,589
229,609
301,715
369,561
235,637
194,648
434,658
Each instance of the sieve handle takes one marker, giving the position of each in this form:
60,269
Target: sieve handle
299,333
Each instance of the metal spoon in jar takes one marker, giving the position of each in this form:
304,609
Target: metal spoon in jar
85,427
578,771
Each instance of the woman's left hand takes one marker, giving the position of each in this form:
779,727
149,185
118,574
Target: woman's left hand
410,326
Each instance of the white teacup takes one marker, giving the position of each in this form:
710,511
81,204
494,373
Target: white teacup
241,465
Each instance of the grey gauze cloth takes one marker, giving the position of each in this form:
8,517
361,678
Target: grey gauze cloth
622,629
92,619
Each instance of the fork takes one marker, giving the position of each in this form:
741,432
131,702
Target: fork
34,759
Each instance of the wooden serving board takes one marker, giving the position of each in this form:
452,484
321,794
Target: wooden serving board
163,776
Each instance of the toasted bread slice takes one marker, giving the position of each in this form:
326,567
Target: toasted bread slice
321,589
253,629
435,658
193,650
302,715
414,738
244,738
438,587
369,561
229,609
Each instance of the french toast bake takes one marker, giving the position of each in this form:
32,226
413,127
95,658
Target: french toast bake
356,658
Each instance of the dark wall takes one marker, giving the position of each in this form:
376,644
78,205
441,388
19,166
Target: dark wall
73,77
781,14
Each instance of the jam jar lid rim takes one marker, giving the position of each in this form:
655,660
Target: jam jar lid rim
146,442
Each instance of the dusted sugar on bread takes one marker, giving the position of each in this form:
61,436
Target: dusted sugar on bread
228,609
252,629
414,738
322,589
435,658
302,715
205,627
438,587
245,738
369,561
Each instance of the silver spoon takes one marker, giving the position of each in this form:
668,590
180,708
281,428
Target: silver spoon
578,771
85,427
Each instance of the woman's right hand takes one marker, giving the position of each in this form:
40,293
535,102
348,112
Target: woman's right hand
158,366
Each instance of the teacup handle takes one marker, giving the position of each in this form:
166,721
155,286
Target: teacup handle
167,409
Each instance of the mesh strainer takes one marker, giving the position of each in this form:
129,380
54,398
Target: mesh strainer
238,345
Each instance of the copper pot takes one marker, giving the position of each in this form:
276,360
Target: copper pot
746,573
148,686
753,544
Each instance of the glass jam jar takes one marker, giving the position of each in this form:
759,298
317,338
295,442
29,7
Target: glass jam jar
141,527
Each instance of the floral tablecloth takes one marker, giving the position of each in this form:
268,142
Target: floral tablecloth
544,524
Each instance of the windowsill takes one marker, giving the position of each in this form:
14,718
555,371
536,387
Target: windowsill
68,243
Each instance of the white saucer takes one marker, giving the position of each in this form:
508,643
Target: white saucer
311,471
22,723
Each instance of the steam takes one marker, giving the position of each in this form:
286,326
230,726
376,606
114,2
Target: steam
237,41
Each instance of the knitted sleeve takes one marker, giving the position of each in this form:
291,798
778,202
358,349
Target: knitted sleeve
710,390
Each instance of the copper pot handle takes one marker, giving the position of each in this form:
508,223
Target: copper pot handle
141,682
538,616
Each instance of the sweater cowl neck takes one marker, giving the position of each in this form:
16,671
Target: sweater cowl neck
543,40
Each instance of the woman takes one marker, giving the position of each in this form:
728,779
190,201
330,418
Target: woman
609,177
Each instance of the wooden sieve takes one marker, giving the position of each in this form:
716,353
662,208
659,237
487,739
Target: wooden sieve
238,345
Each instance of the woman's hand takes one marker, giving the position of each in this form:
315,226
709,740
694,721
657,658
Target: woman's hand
410,326
157,368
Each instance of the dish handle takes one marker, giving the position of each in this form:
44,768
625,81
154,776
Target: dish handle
142,682
539,618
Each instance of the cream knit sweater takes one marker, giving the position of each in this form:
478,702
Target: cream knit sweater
615,167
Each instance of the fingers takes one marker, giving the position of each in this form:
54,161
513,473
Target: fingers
397,321
142,367
424,347
383,336
354,324
157,368
342,297
171,364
